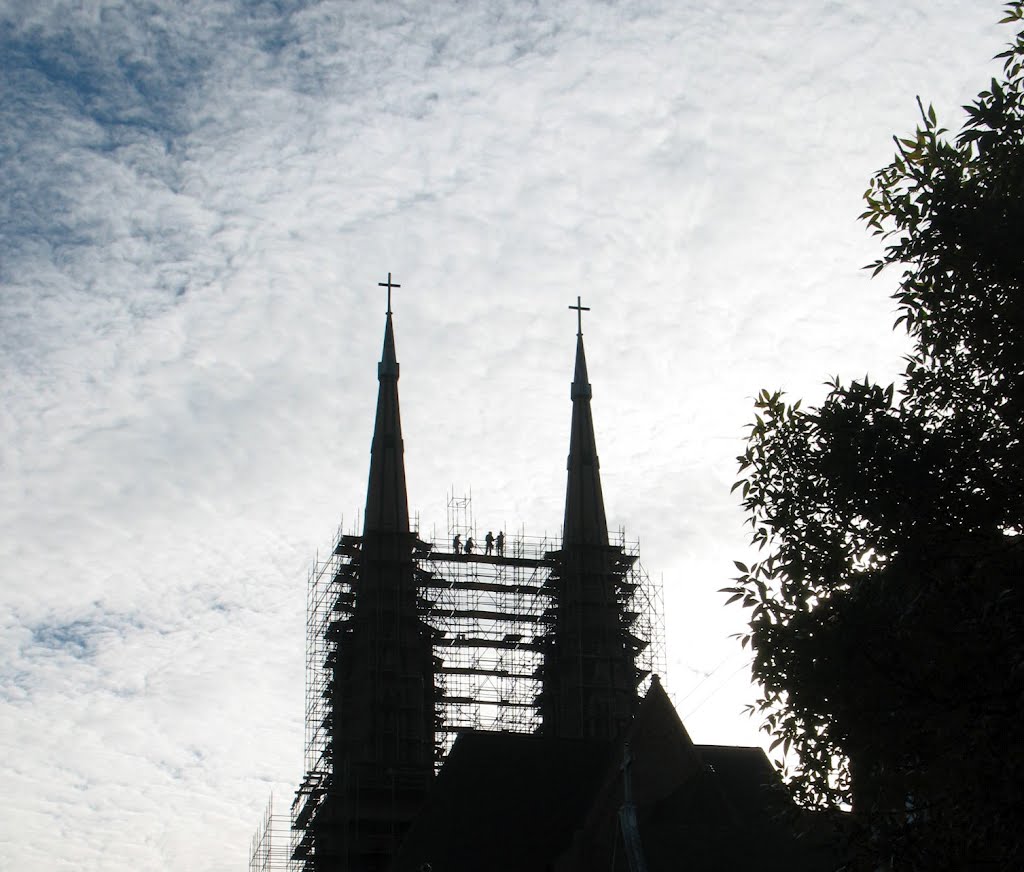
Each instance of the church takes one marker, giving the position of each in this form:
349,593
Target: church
489,708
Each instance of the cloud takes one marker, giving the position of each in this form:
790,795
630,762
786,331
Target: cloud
197,203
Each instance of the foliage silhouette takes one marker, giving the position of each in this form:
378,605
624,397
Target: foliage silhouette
887,620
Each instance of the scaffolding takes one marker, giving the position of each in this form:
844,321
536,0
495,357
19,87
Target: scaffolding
490,612
647,602
329,601
271,844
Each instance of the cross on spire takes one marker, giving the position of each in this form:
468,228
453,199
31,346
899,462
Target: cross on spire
580,309
389,285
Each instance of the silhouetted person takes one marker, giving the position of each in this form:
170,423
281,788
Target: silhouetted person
469,545
500,542
457,543
489,543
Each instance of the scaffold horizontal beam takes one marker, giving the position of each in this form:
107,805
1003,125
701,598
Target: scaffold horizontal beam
470,670
487,615
497,703
494,559
476,642
436,583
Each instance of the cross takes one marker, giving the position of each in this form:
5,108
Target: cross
389,285
580,309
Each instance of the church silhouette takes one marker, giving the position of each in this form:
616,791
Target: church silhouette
587,768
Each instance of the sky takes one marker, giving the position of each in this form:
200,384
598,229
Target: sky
197,201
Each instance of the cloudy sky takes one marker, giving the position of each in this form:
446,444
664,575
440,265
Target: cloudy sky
198,200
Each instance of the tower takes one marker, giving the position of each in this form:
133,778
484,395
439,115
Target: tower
382,711
590,672
401,634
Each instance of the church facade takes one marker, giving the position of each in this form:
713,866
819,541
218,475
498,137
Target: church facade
604,776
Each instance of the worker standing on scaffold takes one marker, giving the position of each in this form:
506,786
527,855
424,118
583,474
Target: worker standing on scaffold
457,543
500,542
469,545
489,543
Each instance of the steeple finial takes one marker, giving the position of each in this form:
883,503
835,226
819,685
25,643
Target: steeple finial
580,383
389,285
388,362
579,307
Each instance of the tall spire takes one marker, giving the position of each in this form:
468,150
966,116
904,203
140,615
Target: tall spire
590,674
387,503
585,522
381,689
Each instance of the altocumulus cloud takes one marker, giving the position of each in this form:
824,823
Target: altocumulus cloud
196,203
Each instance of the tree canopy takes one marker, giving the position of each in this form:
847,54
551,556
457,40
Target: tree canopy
887,619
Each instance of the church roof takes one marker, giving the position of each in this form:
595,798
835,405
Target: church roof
532,803
504,801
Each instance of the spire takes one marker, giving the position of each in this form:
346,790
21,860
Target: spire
585,522
589,672
387,504
381,688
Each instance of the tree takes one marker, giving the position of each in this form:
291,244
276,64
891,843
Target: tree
887,620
